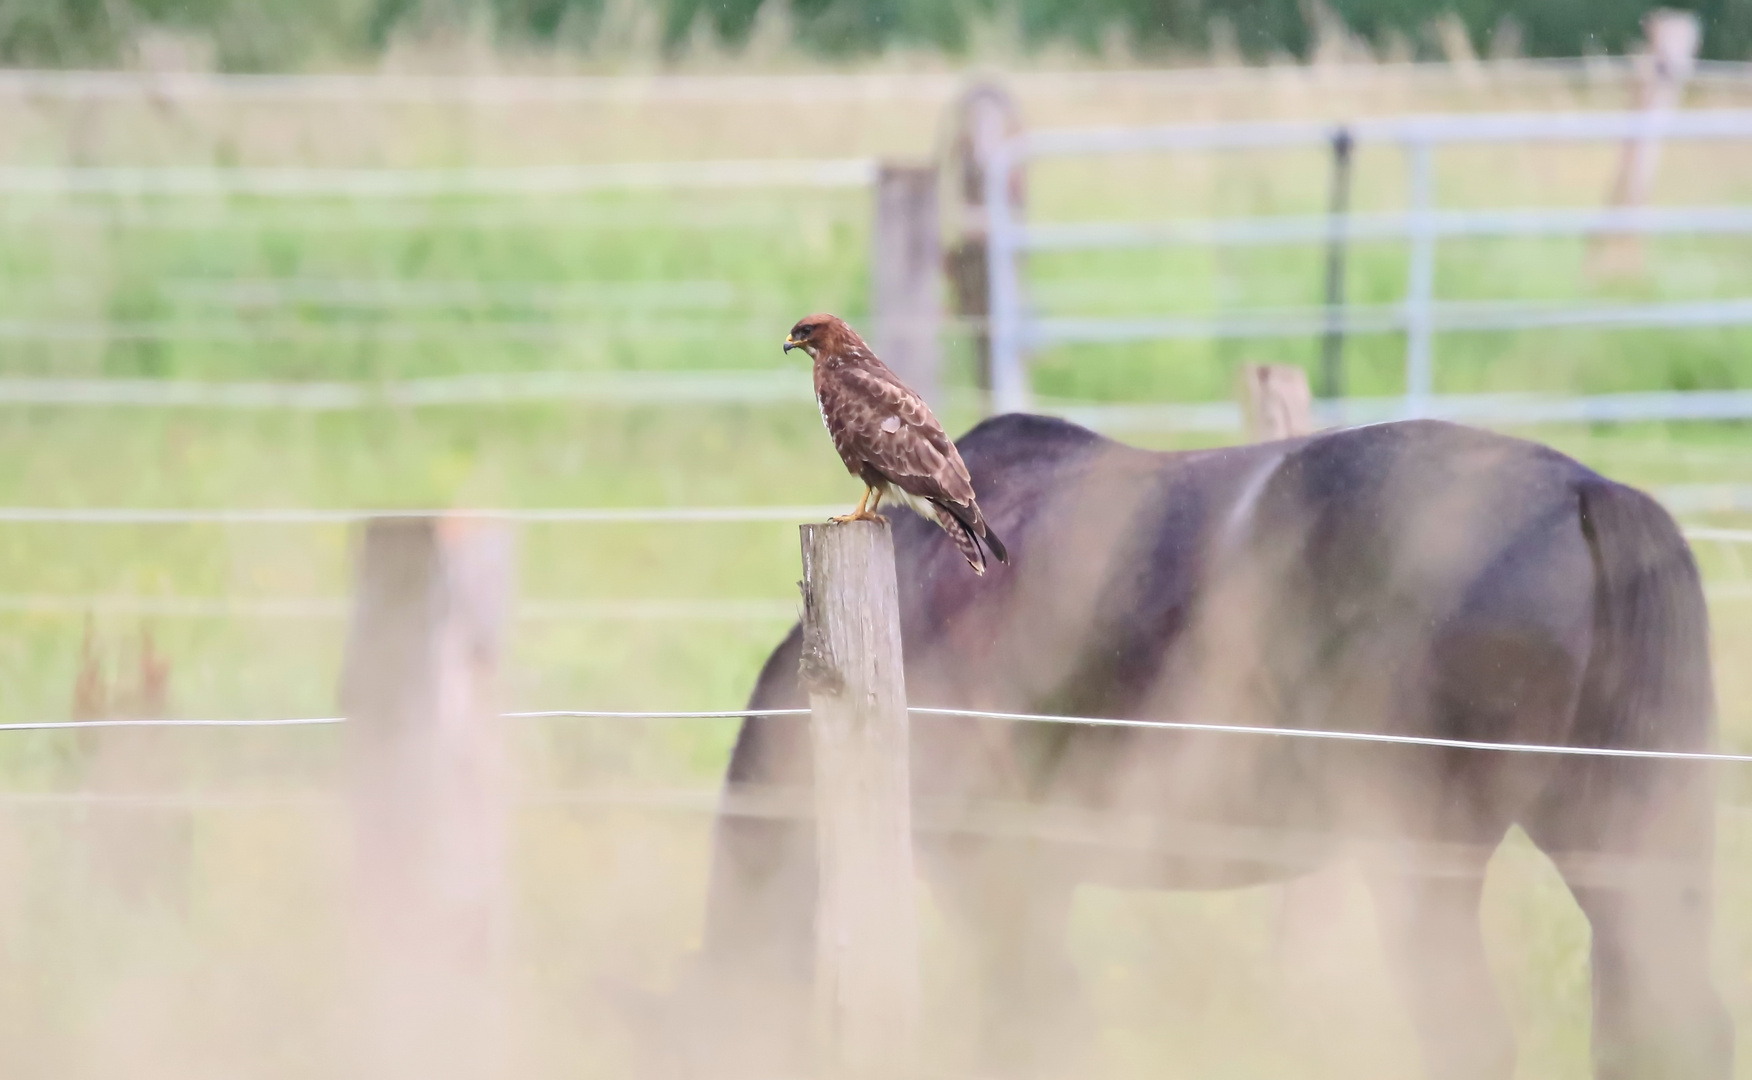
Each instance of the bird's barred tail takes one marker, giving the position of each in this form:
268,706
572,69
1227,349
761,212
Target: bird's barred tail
966,528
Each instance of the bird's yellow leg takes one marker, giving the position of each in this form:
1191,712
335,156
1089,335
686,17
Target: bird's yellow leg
855,515
862,514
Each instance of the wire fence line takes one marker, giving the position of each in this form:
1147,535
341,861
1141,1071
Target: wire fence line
1285,229
447,293
753,387
607,515
384,216
747,386
1706,498
427,183
160,722
1450,316
1725,536
1371,737
1098,827
400,89
291,331
328,608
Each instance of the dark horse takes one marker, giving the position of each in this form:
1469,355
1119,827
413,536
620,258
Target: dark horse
1415,578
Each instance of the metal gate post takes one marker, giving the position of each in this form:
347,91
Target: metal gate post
1003,315
1421,280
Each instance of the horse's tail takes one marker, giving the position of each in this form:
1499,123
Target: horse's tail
1646,687
1648,682
1635,837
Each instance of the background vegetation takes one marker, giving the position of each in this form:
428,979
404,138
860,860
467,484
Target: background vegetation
174,904
264,35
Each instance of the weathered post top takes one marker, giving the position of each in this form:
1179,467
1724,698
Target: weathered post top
430,810
1275,401
866,932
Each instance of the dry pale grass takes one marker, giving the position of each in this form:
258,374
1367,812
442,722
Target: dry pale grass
151,940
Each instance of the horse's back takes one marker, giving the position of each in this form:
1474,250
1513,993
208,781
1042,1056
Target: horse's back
1417,579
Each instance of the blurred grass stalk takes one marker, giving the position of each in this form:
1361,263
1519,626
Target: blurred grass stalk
235,964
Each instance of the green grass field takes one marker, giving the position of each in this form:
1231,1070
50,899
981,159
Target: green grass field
212,947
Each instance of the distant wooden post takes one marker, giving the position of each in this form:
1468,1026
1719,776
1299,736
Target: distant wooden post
1275,401
905,274
1665,65
427,630
983,111
866,933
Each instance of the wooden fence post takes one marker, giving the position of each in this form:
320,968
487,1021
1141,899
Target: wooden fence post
430,809
906,267
1662,68
984,109
866,934
1275,401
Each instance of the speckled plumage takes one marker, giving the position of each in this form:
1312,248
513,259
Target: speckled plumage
888,437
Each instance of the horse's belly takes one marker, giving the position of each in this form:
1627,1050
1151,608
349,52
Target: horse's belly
1133,850
1180,854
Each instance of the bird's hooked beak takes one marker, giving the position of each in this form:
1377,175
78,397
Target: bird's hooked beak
792,343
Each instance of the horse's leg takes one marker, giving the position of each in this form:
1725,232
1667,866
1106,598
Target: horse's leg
1655,1012
743,1006
1429,926
1012,907
1640,868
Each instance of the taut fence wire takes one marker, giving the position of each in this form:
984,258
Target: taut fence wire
598,515
1381,738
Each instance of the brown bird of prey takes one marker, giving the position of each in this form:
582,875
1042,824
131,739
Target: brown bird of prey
887,437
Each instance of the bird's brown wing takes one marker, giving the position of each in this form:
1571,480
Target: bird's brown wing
895,433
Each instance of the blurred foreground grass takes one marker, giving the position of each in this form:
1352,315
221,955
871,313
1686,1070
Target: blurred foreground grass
232,930
150,941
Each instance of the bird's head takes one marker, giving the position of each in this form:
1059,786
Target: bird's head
818,334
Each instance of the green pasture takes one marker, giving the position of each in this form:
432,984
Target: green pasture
207,962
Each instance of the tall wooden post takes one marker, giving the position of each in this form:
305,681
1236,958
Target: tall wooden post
984,111
866,933
1275,401
430,809
906,268
1662,68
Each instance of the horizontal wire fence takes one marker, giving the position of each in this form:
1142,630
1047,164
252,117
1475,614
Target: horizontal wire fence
753,387
336,607
715,90
394,186
170,606
978,714
650,387
415,183
606,515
